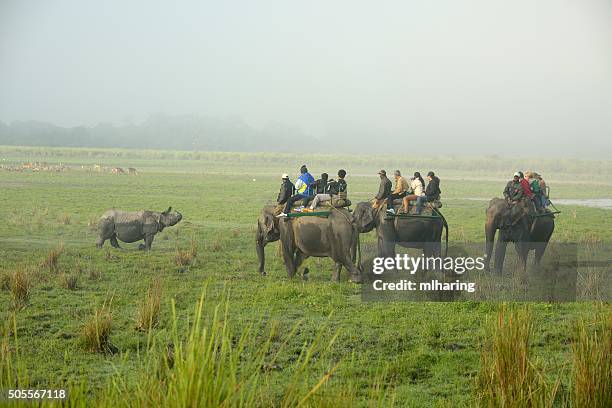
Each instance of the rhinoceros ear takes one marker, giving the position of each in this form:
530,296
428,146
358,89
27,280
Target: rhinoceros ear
167,211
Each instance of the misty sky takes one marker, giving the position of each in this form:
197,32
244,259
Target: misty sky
428,70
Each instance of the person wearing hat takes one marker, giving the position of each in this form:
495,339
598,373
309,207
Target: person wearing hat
432,191
400,191
384,188
286,190
514,191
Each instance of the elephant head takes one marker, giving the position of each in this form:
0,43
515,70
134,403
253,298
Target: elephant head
364,216
267,231
168,218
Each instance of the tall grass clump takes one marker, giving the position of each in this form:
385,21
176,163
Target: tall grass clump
69,280
5,280
20,285
94,273
51,262
508,376
209,363
64,219
96,332
12,374
149,309
186,257
212,364
592,361
92,224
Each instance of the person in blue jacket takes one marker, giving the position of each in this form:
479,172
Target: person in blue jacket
303,189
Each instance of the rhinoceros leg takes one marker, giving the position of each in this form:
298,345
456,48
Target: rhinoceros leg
114,242
336,272
148,241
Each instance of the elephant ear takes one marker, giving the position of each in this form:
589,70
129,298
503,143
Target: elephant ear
367,217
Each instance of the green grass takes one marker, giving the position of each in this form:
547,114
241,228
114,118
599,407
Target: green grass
423,354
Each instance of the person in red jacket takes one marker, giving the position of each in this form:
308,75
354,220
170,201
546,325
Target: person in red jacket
526,187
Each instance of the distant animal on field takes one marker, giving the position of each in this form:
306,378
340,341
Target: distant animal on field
133,226
117,170
132,171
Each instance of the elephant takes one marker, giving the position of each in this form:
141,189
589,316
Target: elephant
267,231
335,237
515,225
410,232
133,226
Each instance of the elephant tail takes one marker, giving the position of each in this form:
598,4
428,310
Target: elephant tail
445,225
358,249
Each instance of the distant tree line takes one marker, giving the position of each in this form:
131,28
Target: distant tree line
157,132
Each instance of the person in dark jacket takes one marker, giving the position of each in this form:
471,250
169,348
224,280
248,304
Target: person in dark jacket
333,189
339,188
384,188
432,191
400,191
286,190
514,190
319,187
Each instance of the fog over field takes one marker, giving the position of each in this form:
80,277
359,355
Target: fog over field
437,77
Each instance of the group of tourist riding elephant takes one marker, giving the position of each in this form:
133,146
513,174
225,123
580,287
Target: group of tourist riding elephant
337,235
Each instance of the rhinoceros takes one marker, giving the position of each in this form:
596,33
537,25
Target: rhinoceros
133,226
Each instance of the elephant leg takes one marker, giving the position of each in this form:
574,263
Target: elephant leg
490,231
432,249
354,272
500,255
289,259
436,249
539,252
522,250
343,258
261,255
300,257
386,248
114,242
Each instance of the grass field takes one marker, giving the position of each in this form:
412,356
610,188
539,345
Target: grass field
418,354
